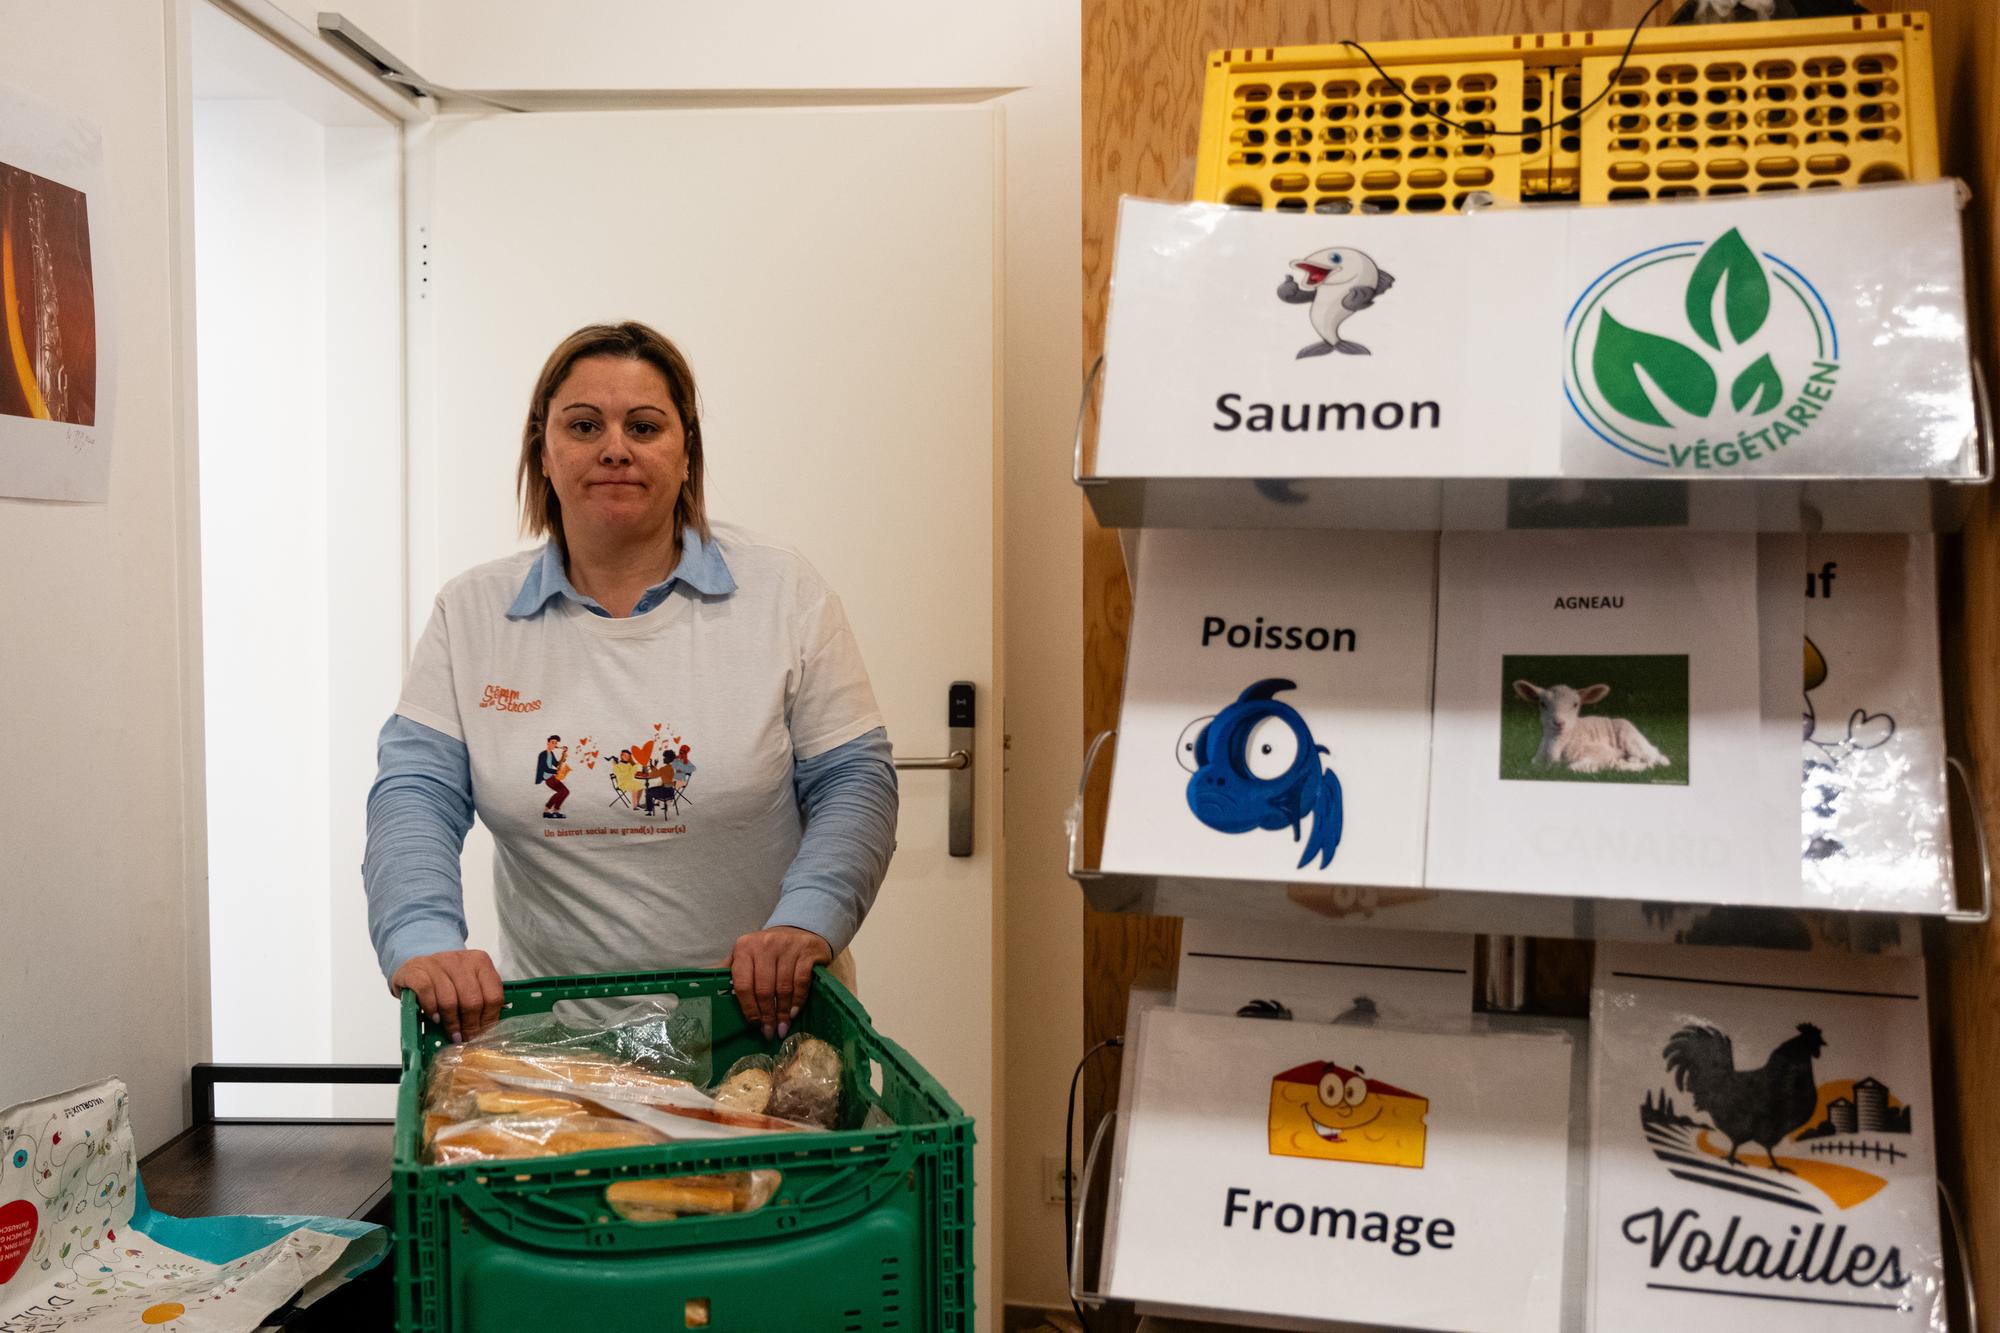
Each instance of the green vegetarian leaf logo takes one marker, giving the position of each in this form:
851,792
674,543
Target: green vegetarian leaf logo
1746,294
1761,383
1682,373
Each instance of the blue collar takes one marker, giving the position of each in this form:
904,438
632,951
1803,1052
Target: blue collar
702,569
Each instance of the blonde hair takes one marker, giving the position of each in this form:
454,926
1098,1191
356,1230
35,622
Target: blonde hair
541,511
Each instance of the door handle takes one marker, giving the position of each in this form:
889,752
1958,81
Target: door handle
958,812
955,760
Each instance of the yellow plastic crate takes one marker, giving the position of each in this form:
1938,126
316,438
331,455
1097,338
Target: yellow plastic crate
1705,110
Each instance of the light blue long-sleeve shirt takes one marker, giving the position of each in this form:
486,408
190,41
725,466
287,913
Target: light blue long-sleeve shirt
420,808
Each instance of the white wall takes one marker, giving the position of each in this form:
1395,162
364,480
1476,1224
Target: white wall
683,48
104,955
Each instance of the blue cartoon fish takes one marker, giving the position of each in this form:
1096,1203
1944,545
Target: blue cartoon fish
1255,765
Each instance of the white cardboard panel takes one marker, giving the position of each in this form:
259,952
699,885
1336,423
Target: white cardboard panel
1331,634
1668,624
1230,1203
1812,1064
1323,973
1818,334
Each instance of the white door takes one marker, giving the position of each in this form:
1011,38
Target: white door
831,275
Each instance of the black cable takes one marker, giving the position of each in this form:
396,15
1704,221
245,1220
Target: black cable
1424,108
1069,1175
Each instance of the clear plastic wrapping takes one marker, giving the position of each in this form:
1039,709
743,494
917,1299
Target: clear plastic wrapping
506,1137
692,1196
805,1082
534,1086
747,1085
1875,823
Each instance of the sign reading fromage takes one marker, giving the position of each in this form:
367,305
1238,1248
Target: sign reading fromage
1816,336
1266,1164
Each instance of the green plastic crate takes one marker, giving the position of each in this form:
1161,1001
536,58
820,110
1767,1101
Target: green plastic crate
870,1228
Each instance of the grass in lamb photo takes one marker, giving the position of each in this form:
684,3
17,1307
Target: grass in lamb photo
1602,718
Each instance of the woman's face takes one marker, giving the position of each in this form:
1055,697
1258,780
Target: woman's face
614,449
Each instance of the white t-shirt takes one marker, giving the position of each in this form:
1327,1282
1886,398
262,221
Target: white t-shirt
665,862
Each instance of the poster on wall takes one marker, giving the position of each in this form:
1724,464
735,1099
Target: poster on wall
1277,708
55,371
1761,1148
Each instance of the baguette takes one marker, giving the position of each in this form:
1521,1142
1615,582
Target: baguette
509,1101
585,1069
504,1137
680,1196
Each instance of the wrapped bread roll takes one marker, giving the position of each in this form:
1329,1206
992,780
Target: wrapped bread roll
613,1134
451,1087
582,1069
747,1086
501,1138
683,1196
506,1101
805,1083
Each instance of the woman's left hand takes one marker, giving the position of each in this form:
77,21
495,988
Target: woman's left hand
772,971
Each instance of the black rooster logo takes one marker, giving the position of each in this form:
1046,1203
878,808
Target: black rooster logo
1761,1106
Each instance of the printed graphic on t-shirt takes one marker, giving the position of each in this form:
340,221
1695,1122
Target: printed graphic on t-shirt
649,779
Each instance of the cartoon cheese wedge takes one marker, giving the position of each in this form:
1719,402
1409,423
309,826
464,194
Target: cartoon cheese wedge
1337,1114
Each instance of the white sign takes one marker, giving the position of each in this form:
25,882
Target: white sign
1345,1174
1597,726
1762,1152
1277,708
1871,719
1315,972
1808,335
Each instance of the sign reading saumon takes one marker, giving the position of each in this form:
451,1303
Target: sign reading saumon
1815,334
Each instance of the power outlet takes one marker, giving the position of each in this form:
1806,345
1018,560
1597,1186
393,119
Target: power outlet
1052,1178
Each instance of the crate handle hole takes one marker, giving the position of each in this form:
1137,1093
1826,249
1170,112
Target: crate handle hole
875,1076
695,1313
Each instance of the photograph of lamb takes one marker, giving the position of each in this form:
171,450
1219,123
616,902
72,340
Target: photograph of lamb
1594,718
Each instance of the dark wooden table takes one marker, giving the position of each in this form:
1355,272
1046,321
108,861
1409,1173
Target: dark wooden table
290,1167
321,1170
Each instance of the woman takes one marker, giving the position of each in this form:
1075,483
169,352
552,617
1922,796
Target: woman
634,609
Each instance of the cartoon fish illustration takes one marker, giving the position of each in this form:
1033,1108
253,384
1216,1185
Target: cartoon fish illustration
1338,284
1255,765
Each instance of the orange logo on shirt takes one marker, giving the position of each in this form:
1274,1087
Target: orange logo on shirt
508,701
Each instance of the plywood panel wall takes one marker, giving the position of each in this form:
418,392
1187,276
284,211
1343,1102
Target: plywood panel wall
1142,64
1966,1010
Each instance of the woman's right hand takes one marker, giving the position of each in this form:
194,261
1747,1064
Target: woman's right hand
460,990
